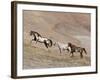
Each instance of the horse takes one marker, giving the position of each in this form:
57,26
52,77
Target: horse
73,48
61,46
38,38
35,35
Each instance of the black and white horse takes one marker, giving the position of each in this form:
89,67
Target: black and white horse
38,38
73,48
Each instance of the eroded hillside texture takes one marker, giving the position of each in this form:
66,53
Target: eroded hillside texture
62,27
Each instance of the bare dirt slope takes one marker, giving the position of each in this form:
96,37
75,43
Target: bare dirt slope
61,27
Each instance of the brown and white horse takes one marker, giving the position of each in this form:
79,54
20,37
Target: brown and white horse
73,48
38,38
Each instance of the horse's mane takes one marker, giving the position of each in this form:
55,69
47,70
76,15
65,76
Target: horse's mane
50,42
33,33
71,45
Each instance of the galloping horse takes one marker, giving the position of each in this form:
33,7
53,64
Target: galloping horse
61,46
38,38
73,48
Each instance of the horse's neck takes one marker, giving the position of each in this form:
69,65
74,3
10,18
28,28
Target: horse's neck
74,46
35,33
38,34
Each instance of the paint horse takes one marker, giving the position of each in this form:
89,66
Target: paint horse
38,38
73,49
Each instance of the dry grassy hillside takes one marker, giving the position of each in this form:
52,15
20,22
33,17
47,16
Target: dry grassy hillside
61,27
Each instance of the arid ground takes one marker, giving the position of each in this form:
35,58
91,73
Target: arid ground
61,27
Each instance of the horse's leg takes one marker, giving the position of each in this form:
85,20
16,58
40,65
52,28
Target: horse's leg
36,41
81,54
45,43
84,50
59,48
31,41
72,54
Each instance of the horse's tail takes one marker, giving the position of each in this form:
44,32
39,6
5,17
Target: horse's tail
45,43
84,50
51,43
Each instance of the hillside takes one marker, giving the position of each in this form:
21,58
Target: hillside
60,27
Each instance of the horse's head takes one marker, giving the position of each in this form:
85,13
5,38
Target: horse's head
69,44
31,32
